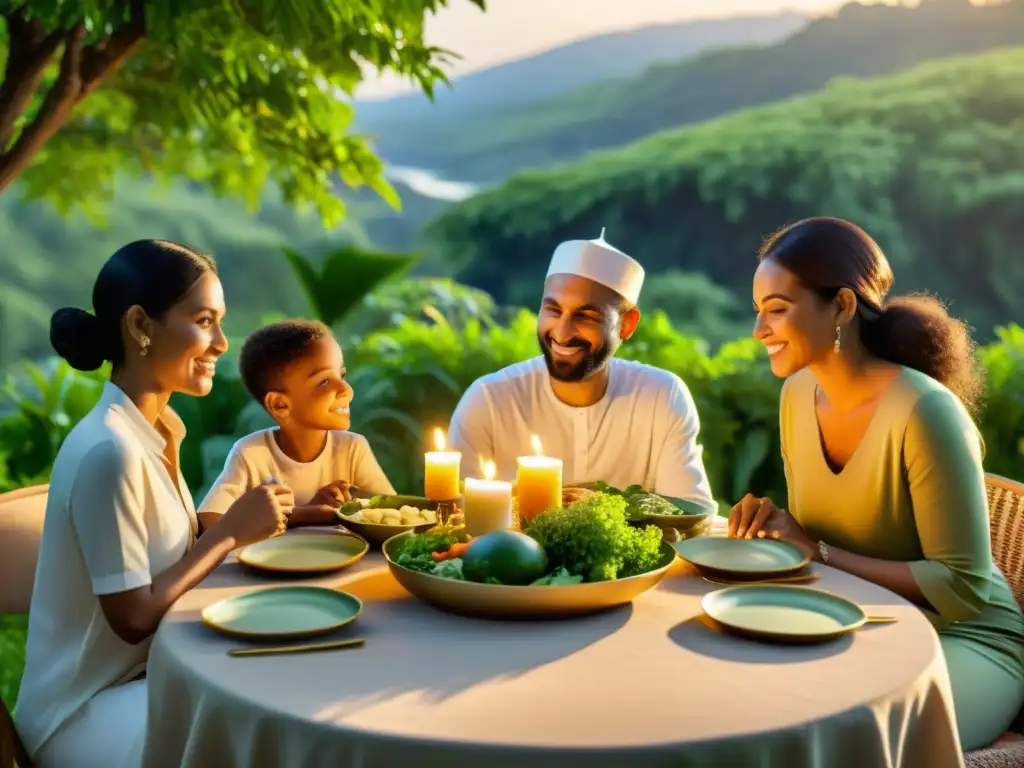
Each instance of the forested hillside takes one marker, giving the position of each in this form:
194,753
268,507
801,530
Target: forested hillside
860,41
47,260
930,161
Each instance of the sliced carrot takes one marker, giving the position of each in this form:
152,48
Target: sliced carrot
458,549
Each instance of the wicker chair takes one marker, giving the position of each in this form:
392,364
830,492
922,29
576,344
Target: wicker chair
1006,523
21,526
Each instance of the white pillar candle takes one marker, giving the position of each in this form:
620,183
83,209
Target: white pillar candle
487,504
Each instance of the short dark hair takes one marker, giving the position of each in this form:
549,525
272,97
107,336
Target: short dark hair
266,353
153,274
827,254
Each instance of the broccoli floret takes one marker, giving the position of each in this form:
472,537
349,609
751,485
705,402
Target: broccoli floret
592,538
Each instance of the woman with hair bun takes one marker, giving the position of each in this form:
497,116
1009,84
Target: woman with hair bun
121,540
883,461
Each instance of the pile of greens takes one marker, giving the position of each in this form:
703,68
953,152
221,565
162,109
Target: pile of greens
417,554
587,541
641,503
592,538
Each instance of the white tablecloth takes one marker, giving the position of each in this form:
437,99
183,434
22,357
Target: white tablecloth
651,684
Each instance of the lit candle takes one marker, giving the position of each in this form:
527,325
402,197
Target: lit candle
441,476
487,504
539,482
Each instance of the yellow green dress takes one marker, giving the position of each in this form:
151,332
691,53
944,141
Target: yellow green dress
914,491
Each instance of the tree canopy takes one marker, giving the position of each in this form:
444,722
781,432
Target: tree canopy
929,161
232,94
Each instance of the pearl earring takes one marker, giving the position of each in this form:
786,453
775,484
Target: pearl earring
838,343
144,345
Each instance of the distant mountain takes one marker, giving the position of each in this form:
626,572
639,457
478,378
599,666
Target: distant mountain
859,40
618,54
929,161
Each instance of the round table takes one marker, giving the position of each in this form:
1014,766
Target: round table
649,684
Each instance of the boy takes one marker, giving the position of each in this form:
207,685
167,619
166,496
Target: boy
295,368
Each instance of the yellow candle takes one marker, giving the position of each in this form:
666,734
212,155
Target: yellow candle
487,504
539,482
441,475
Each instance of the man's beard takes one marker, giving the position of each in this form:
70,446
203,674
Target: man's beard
592,360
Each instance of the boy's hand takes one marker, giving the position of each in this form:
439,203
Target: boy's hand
333,495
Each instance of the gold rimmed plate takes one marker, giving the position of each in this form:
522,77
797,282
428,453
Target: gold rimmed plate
283,613
721,556
305,553
785,613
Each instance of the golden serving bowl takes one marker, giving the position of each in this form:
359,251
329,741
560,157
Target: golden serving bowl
498,601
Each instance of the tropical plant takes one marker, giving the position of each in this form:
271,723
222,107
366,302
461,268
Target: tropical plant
43,403
228,94
345,278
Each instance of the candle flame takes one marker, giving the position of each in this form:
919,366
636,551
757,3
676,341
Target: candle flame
439,441
488,468
535,442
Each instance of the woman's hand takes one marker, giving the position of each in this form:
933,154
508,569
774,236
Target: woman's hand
333,495
760,518
783,526
748,518
258,514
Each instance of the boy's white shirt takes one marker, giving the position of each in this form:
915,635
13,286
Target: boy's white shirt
257,457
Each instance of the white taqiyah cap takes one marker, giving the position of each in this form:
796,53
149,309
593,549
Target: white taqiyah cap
603,263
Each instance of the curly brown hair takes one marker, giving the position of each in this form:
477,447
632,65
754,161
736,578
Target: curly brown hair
828,254
269,351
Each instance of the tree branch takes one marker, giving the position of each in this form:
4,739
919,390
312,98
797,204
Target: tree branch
30,51
108,55
54,111
82,70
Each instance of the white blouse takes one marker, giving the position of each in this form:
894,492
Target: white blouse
114,520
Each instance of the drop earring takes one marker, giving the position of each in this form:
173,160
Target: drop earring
144,346
838,343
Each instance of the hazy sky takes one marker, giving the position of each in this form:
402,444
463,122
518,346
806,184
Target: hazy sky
512,29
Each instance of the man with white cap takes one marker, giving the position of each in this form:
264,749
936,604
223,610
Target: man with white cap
607,419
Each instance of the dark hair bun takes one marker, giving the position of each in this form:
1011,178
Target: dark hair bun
77,336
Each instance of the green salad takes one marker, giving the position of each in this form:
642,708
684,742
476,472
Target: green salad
590,540
641,503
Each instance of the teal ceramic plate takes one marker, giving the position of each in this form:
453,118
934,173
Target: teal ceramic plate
723,556
304,552
283,613
783,613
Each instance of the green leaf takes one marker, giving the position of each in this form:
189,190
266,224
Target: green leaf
346,277
751,455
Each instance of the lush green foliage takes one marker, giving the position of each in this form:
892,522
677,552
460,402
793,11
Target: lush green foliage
930,162
13,631
862,41
47,260
228,94
408,379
